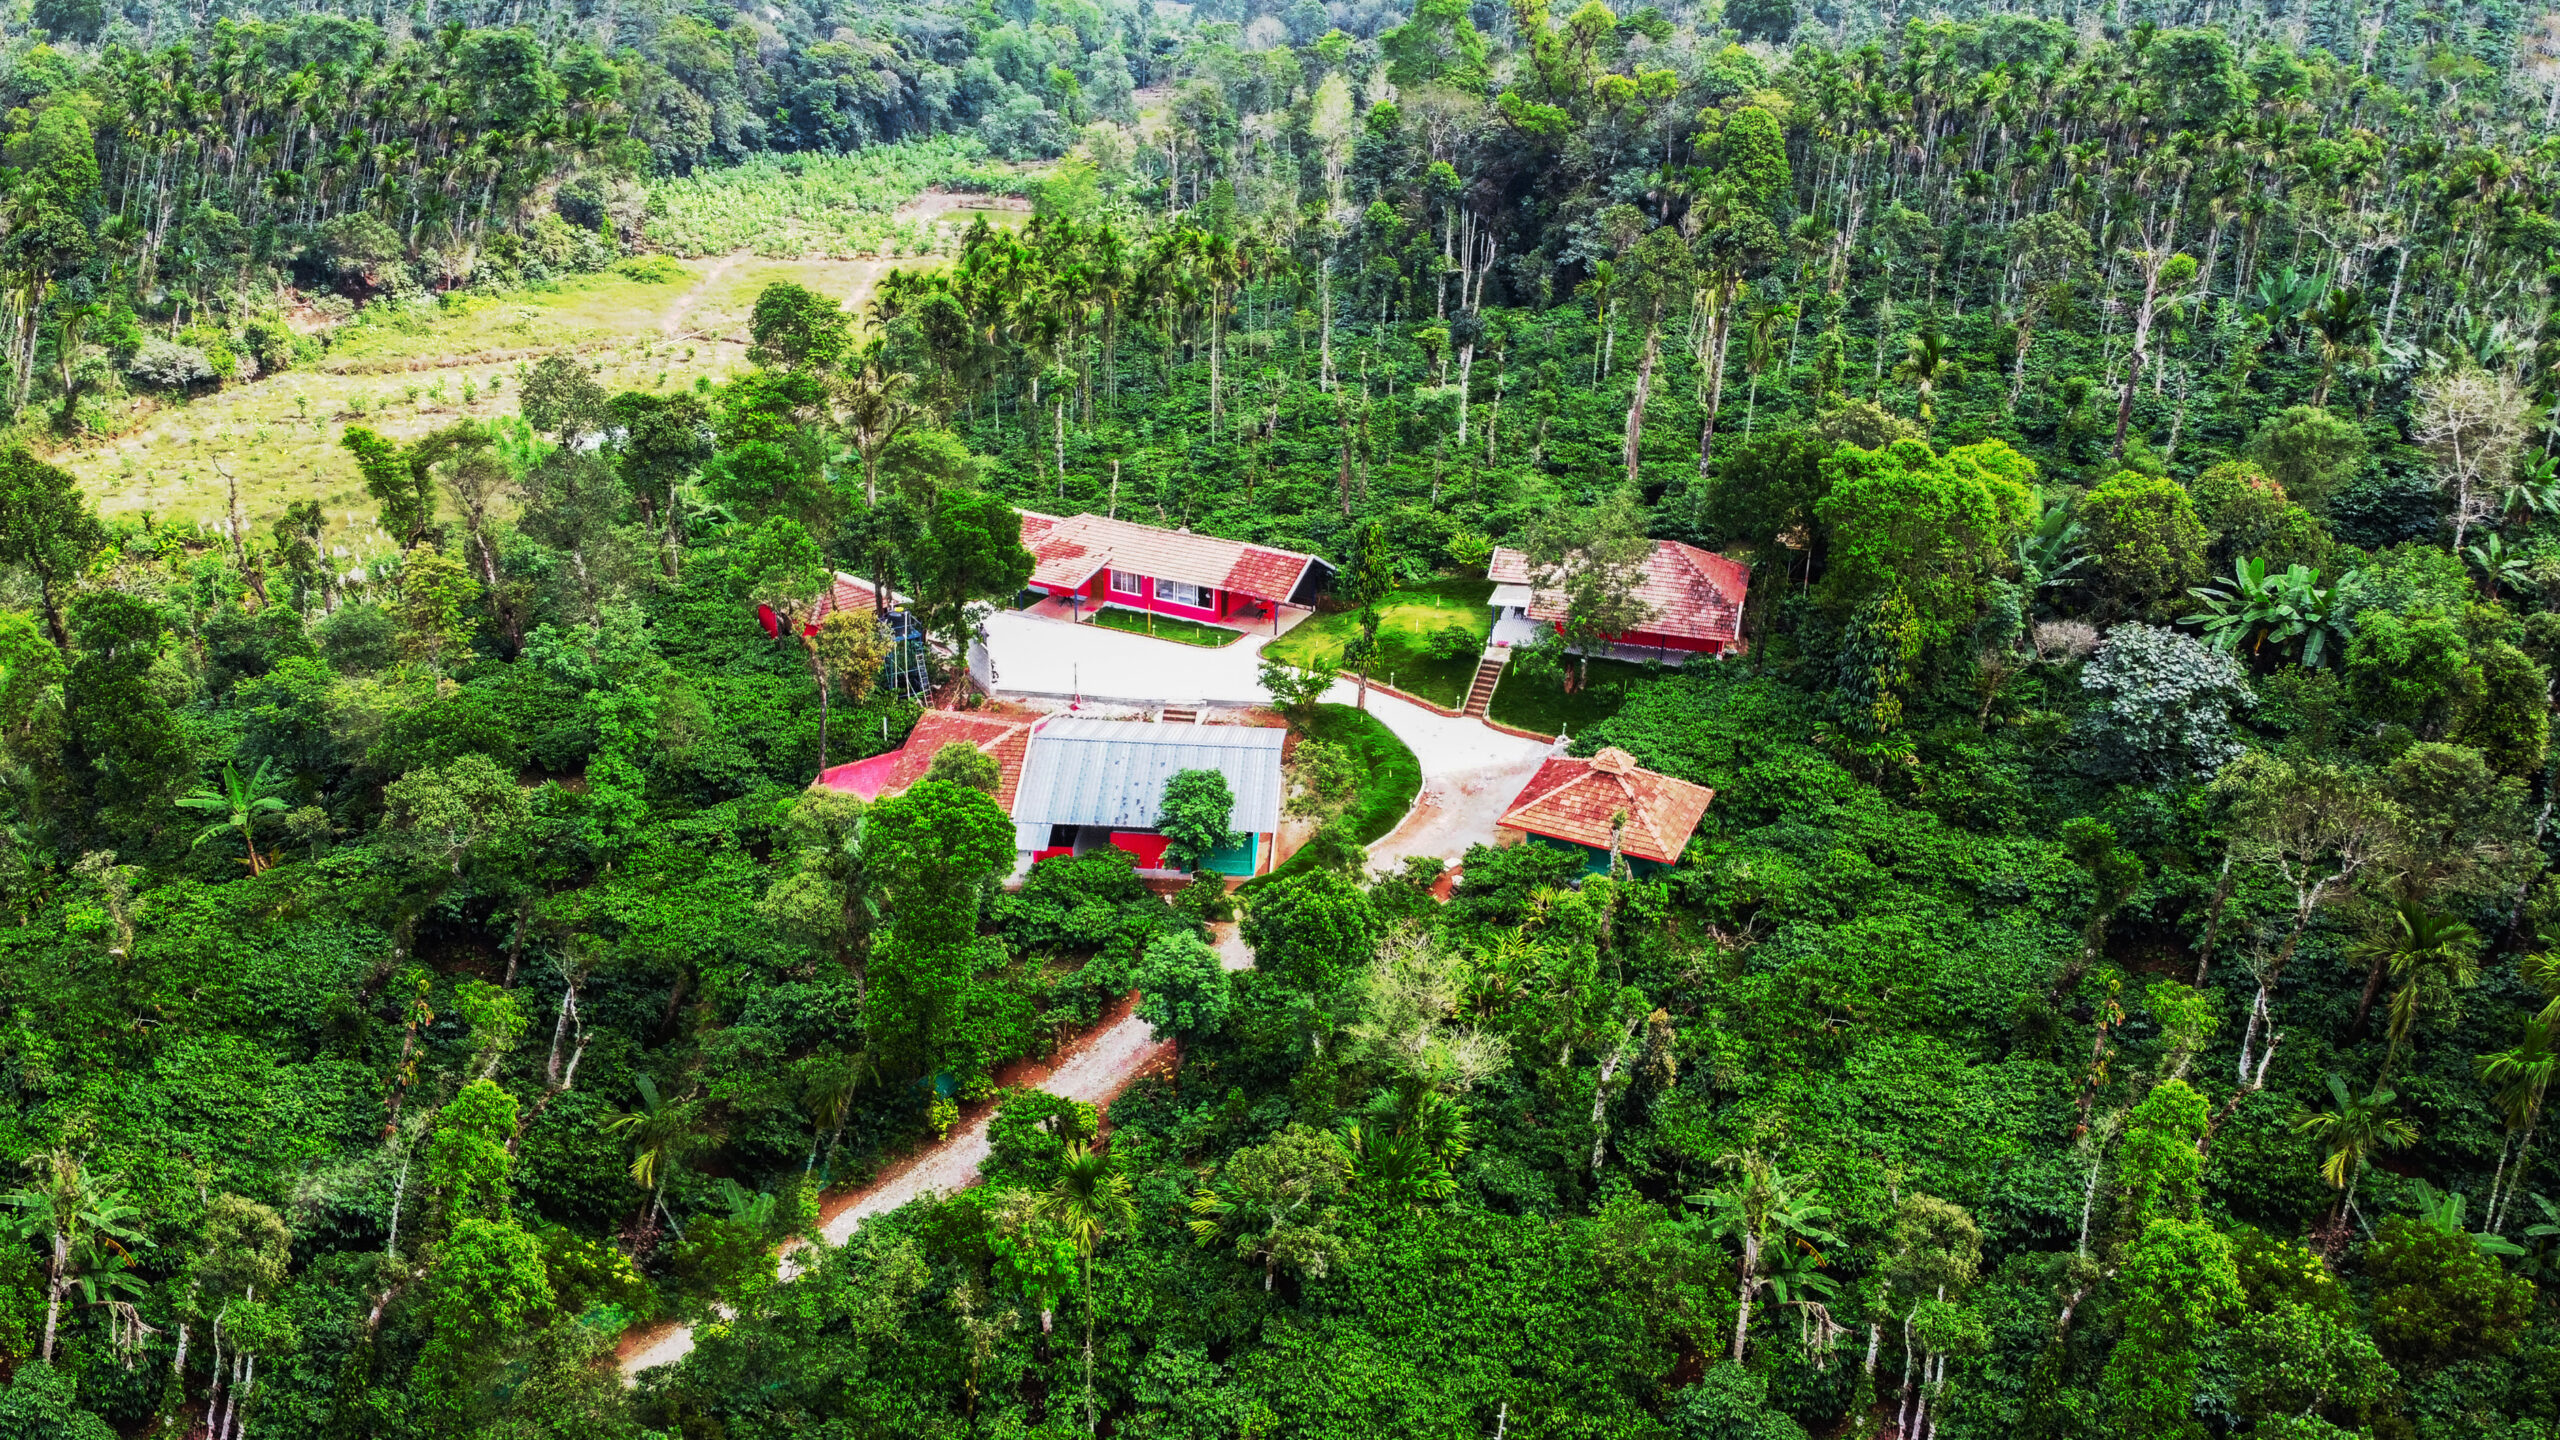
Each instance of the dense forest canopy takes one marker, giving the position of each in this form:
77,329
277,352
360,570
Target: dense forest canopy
2108,995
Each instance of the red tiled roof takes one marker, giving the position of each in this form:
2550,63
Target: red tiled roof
1005,740
850,592
1069,550
1691,592
1574,800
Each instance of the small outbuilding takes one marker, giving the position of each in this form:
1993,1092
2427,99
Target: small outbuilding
1073,785
904,670
1603,805
1093,783
1692,598
1003,740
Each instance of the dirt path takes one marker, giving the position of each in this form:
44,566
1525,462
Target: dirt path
1096,1068
673,325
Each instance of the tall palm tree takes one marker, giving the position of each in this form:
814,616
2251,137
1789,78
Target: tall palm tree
1929,365
2407,928
664,1134
83,1221
1602,291
241,801
1090,1202
2358,1129
1762,318
2523,1076
1223,265
2444,950
2343,321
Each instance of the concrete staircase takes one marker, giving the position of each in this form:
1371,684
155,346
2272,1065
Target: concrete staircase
1181,715
1488,675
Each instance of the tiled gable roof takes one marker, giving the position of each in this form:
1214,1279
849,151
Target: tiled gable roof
1069,550
1690,592
852,592
1005,740
1574,800
849,592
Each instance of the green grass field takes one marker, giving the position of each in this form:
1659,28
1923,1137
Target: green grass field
1166,627
409,369
1408,622
1390,773
1542,706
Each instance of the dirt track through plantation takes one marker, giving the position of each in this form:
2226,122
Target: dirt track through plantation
1096,1068
673,325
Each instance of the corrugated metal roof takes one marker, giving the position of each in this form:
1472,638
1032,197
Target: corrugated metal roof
1112,772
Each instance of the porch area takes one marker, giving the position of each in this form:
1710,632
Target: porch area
1266,618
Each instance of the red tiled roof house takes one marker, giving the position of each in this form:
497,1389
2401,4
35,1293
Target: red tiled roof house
850,592
1004,740
1170,572
1694,598
1587,805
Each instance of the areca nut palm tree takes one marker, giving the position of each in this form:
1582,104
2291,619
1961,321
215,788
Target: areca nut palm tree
2442,949
1928,364
2523,1076
1090,1202
664,1134
2357,1130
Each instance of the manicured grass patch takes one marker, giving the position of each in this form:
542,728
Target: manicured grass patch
1390,777
1166,627
1541,705
1409,620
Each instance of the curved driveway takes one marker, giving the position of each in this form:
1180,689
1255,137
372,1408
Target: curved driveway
1470,773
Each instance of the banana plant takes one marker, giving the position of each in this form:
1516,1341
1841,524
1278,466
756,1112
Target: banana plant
2450,1212
2499,566
2259,608
2282,295
2541,1260
2048,555
2537,492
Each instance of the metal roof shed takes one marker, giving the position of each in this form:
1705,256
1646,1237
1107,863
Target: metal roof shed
1113,772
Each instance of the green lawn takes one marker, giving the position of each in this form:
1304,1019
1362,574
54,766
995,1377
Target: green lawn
1166,627
1408,619
1391,777
1542,706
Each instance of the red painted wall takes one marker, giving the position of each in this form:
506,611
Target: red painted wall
1648,640
1146,845
1147,599
1099,592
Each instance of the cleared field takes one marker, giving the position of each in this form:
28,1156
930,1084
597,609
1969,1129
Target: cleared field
861,203
421,367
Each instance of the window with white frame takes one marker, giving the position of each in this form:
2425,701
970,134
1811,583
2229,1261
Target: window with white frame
1178,593
1125,582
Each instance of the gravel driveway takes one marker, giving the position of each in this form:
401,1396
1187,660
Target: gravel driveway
1099,1069
1471,772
